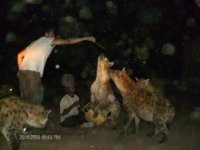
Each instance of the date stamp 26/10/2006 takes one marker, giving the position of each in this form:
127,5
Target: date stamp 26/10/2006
39,137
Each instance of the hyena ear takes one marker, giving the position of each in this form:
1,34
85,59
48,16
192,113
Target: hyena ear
111,64
146,82
124,69
136,78
47,112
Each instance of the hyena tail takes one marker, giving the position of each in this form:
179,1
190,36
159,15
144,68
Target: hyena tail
168,124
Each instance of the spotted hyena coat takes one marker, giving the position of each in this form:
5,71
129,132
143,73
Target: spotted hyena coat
101,91
15,113
144,102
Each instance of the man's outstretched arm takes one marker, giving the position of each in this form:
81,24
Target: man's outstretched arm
75,40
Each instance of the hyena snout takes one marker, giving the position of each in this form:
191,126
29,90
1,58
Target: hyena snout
110,72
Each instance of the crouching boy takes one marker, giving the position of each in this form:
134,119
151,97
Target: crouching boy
70,114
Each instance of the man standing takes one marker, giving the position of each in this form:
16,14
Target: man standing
31,62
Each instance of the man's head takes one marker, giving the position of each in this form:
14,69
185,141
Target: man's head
50,33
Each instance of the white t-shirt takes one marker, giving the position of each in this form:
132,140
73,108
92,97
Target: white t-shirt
66,102
37,54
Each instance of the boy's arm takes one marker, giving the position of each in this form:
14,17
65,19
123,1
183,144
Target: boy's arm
67,110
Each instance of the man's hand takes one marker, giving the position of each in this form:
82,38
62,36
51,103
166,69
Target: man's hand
91,39
18,74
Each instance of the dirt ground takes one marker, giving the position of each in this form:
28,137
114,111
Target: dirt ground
184,135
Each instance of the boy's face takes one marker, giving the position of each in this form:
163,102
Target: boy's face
70,89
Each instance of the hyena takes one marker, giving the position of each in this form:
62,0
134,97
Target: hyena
15,113
145,86
101,91
147,105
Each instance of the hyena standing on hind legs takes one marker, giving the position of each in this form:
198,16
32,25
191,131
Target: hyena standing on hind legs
15,113
101,92
143,104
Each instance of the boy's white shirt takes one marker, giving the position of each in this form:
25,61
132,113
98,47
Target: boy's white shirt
66,102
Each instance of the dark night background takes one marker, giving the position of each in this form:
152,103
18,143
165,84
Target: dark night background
155,39
159,40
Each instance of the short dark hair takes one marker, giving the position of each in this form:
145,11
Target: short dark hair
49,29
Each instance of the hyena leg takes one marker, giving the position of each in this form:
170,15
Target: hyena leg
137,122
113,121
114,114
162,128
12,138
130,119
154,132
15,141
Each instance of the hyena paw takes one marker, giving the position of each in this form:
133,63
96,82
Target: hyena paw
150,134
123,132
164,138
